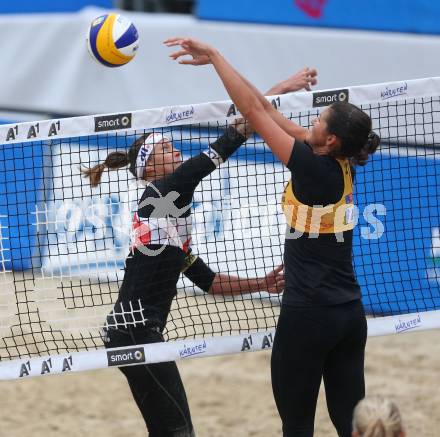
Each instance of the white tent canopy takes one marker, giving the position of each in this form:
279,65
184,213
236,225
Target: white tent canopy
45,65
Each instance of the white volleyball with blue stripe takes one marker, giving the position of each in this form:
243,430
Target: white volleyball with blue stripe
112,40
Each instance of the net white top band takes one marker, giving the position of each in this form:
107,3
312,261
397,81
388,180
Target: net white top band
223,112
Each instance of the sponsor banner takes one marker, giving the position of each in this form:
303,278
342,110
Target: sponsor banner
112,122
393,15
404,323
326,98
140,354
192,350
179,115
399,89
185,349
53,364
220,112
124,357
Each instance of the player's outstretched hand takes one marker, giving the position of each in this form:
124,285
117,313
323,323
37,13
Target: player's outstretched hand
199,51
302,79
273,282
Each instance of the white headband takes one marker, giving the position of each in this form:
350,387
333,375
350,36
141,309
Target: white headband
145,152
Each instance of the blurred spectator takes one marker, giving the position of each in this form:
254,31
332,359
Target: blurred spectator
375,416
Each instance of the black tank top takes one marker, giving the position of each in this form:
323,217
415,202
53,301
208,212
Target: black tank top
319,271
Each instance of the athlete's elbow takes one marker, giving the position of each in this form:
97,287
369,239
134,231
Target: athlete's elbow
254,113
268,107
251,107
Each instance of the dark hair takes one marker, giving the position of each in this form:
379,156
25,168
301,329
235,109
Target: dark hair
353,127
114,161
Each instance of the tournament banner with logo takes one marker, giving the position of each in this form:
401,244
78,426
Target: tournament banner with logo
419,16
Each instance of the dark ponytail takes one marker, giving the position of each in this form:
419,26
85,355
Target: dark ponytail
353,128
367,149
114,161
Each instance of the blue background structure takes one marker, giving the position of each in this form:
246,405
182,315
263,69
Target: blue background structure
420,16
393,270
21,182
30,6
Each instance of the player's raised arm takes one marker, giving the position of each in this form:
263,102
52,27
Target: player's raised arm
302,79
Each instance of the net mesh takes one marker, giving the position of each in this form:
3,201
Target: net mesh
63,244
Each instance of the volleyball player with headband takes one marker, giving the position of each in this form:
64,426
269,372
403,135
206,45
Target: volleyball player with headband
160,251
322,329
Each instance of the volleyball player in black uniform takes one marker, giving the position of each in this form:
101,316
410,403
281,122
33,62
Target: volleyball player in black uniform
322,330
160,251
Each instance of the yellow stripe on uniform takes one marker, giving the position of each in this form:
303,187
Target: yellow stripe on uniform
322,220
106,46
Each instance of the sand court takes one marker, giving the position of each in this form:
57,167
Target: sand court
228,395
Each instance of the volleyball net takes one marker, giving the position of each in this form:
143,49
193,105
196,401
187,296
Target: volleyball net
63,244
